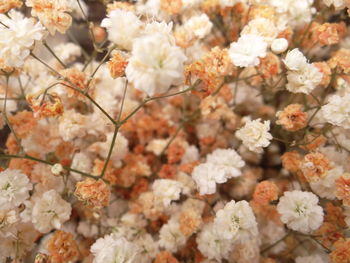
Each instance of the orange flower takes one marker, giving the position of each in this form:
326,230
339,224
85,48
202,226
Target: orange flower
343,188
42,108
76,80
6,5
117,65
165,257
23,123
62,247
334,215
94,193
42,258
341,60
190,221
292,118
326,71
331,33
329,234
171,7
265,192
314,166
341,253
291,161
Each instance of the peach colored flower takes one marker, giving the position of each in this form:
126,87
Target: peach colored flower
340,60
341,253
334,215
265,192
171,7
23,123
326,71
328,234
314,166
120,5
62,247
292,118
190,222
291,161
165,257
76,79
343,188
51,106
94,193
53,14
117,65
6,5
331,33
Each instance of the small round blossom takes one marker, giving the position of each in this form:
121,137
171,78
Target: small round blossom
341,253
113,248
255,135
236,221
206,178
315,166
166,190
53,14
6,5
94,193
226,161
199,25
326,186
57,169
211,244
155,64
247,50
342,188
292,118
337,111
62,247
300,211
50,211
17,38
14,188
295,60
117,65
170,236
279,45
122,27
261,27
265,192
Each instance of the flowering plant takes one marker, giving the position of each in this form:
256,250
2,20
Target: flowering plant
174,131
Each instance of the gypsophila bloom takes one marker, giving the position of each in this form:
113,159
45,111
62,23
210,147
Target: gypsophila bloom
326,186
50,212
236,221
57,169
199,25
6,5
279,45
206,178
300,211
170,236
122,27
211,244
302,77
53,14
14,188
292,118
17,38
255,135
166,190
337,111
247,51
155,64
62,247
94,193
113,248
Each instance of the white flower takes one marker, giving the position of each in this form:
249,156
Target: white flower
149,248
160,27
155,64
255,135
236,221
72,124
157,146
247,50
261,27
325,187
227,161
122,27
17,39
67,52
199,25
300,211
295,60
120,148
112,249
338,4
228,3
206,177
170,236
211,244
14,188
166,190
304,80
279,45
50,212
337,111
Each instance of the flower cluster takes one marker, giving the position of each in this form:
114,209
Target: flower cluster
167,131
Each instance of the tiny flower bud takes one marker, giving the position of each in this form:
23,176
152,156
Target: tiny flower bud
57,169
99,33
279,45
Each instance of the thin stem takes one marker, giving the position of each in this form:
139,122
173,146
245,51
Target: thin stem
171,140
53,53
274,244
44,63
